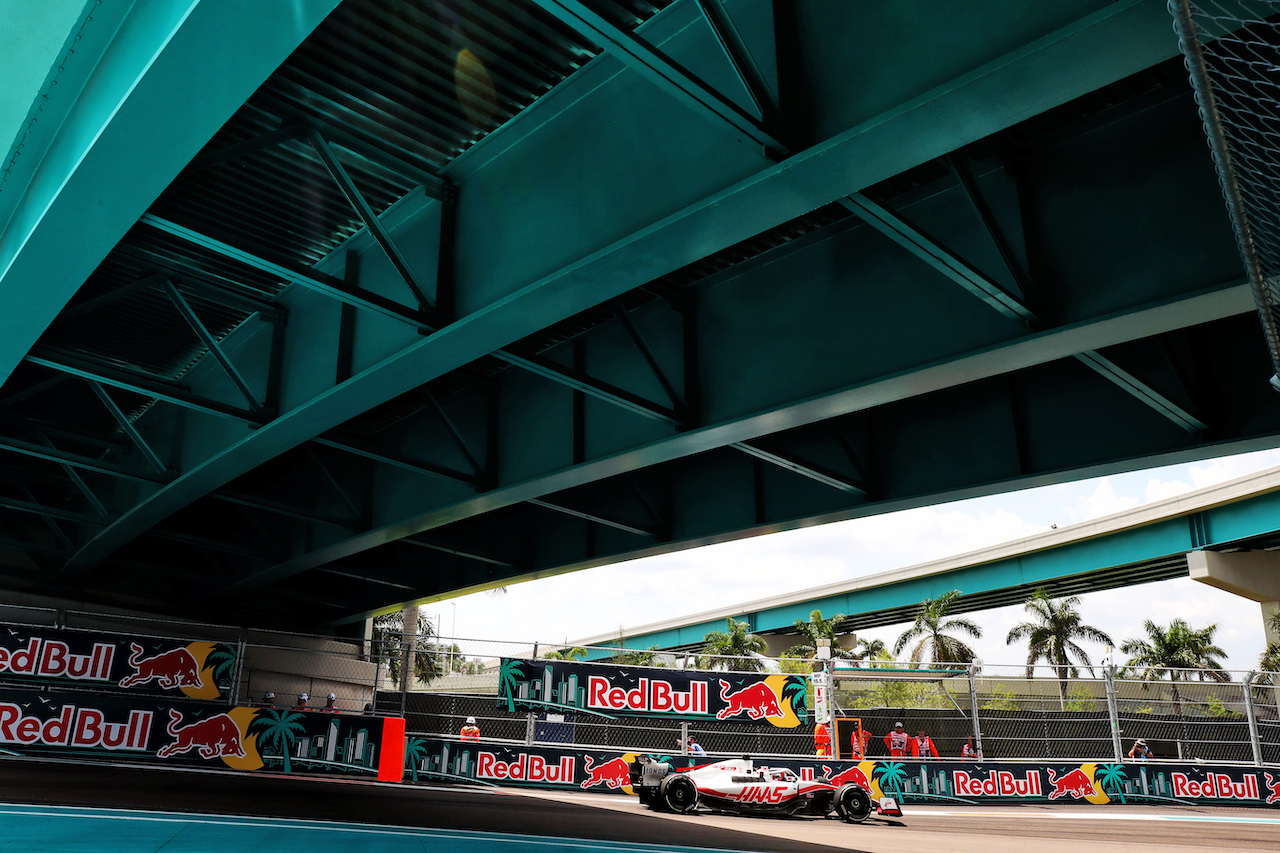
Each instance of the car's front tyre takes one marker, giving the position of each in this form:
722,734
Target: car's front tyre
679,794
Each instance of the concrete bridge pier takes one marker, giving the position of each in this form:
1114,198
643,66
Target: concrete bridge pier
1252,574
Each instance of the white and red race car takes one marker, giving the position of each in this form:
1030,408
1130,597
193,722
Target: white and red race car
738,786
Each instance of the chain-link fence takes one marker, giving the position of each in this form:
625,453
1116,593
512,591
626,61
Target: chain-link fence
1232,51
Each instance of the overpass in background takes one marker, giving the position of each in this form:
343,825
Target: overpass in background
1227,535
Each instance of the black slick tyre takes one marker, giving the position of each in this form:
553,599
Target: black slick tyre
852,803
679,794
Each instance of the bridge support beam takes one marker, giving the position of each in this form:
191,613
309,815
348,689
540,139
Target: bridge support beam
1252,574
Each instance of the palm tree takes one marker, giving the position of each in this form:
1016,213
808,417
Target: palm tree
733,649
510,674
869,650
389,637
222,659
575,653
816,629
1112,778
278,729
797,691
1269,663
1053,636
1170,652
415,749
929,633
891,775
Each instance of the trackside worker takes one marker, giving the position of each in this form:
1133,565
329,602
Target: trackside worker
967,751
922,746
268,699
1139,750
302,702
470,731
821,740
695,748
861,740
896,740
330,704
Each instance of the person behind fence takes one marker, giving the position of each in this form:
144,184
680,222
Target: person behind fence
268,699
922,746
967,751
1139,750
695,748
470,731
896,740
302,702
331,704
821,740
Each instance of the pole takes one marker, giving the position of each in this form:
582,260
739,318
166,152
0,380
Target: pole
1250,714
973,709
1113,707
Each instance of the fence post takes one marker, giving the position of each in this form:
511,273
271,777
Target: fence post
1113,710
528,728
1249,713
237,673
973,709
684,737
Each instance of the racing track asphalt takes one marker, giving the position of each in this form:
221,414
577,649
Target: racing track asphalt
39,782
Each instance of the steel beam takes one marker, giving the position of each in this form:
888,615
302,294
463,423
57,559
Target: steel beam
578,381
359,448
804,469
457,552
592,517
661,71
308,278
215,349
145,386
370,218
126,426
84,463
33,508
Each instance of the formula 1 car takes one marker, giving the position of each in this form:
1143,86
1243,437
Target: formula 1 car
738,786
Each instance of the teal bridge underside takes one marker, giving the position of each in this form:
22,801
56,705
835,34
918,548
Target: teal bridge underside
1074,561
311,309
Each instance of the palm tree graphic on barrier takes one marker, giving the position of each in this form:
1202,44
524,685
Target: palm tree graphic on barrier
415,749
797,691
891,775
222,659
1112,778
278,730
508,676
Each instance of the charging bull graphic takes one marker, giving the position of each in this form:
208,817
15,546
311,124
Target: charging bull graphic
1275,789
1076,783
852,775
213,737
174,668
757,701
614,773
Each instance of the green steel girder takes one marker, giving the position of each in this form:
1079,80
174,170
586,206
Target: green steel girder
836,360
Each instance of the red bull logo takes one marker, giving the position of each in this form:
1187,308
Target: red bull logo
1218,785
757,701
613,773
1275,790
650,695
852,775
1076,783
83,727
53,659
1002,783
526,768
212,738
174,668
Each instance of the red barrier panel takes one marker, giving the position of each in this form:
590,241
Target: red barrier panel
391,753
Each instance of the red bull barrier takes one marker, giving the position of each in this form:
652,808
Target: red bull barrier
947,781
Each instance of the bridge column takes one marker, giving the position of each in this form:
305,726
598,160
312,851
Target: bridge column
1252,574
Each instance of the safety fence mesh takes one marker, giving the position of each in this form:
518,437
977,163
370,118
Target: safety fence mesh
1232,51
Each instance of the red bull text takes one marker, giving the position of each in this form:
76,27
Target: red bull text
1217,785
53,659
649,696
1000,783
755,700
74,727
526,768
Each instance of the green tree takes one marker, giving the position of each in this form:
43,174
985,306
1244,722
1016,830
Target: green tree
279,730
1170,652
869,650
733,649
816,629
931,634
388,647
575,653
1052,637
1269,664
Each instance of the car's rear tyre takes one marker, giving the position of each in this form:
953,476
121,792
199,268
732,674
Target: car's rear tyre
679,794
853,804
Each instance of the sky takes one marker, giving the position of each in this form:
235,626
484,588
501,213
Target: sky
638,592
